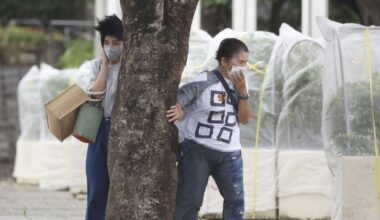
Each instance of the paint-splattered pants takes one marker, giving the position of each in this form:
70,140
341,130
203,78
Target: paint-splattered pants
195,164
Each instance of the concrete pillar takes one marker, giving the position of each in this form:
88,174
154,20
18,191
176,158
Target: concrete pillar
305,17
238,22
244,15
100,8
357,189
311,9
251,15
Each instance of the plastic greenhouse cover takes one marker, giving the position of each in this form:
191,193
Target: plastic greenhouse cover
299,121
351,96
29,112
197,57
39,86
40,158
298,129
351,90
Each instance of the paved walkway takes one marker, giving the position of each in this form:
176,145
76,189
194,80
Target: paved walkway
19,202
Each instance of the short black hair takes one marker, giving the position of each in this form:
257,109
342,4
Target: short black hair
110,25
229,47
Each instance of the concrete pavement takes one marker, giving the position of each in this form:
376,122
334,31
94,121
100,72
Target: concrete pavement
20,202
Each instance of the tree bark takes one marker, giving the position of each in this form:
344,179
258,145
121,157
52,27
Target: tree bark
141,160
369,11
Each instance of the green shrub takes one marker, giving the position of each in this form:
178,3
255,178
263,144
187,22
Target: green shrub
21,37
77,51
349,118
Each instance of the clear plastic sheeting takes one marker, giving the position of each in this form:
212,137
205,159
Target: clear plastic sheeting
51,165
40,158
260,45
268,103
197,57
295,96
29,112
351,96
351,90
299,123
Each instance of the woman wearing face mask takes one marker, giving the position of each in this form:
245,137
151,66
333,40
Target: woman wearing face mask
208,113
105,72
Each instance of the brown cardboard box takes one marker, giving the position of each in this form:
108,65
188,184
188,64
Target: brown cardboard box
62,111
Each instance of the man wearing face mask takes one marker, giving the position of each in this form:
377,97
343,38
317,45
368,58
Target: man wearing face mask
208,113
105,72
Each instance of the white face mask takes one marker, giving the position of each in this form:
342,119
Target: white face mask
237,69
113,52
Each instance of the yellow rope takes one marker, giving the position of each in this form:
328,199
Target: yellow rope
258,123
369,63
255,67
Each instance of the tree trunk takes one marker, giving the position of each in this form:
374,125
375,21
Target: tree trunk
141,159
369,11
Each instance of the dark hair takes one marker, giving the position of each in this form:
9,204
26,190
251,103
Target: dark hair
111,26
229,47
